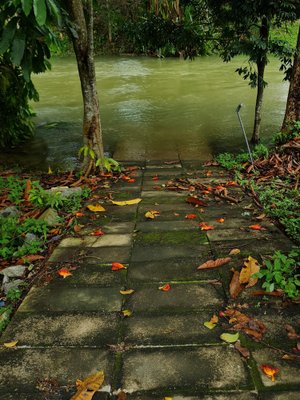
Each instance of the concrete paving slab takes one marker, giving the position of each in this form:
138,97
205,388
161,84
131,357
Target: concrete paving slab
167,369
26,366
238,234
31,393
168,238
173,269
281,395
159,226
108,240
288,375
92,255
83,241
65,329
181,298
163,195
156,253
200,396
171,329
69,299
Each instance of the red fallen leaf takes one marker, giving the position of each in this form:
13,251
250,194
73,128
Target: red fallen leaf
131,180
231,183
156,187
191,216
270,371
256,227
77,228
30,258
205,227
155,178
125,178
276,293
116,266
220,220
79,214
64,272
219,187
98,232
215,263
165,288
195,201
209,188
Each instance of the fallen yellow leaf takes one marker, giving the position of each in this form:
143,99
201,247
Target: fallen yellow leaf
209,324
127,313
10,344
128,291
95,208
251,267
230,337
87,388
233,252
126,202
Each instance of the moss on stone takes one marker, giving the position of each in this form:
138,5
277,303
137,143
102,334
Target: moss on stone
171,238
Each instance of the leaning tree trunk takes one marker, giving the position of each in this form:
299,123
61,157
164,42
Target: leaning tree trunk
261,65
292,112
81,13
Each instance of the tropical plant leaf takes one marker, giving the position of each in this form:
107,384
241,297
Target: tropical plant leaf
18,48
40,11
27,6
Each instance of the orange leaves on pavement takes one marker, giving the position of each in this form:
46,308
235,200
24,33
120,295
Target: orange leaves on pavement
190,216
234,252
87,388
165,288
205,227
95,207
221,220
115,266
250,267
195,201
155,178
64,272
269,370
212,322
27,190
97,232
215,263
79,214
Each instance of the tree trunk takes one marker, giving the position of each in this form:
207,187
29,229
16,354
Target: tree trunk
83,44
261,66
292,112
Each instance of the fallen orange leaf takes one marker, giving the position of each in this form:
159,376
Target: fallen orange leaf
98,232
131,180
195,201
191,216
231,183
220,220
64,272
77,228
79,214
30,258
256,227
270,371
215,263
235,287
87,388
205,227
116,266
233,252
165,288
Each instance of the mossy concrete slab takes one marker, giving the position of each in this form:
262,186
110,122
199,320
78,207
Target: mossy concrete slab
172,269
181,298
65,329
288,375
66,365
238,234
171,329
63,298
156,253
83,241
105,240
48,393
158,225
92,274
281,395
201,395
169,238
91,255
165,195
196,368
108,228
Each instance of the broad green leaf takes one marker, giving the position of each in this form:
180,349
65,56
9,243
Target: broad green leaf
230,337
8,35
54,10
18,48
40,11
27,6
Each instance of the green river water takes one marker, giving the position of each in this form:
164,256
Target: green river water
150,109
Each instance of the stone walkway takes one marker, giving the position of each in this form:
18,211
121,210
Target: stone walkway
74,327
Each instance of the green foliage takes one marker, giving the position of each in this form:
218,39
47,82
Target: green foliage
5,314
235,161
284,137
14,295
281,273
109,164
260,151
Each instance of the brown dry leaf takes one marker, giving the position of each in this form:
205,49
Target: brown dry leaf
251,267
291,332
87,388
242,350
242,322
260,217
27,190
214,319
77,228
290,357
233,252
215,263
121,395
235,286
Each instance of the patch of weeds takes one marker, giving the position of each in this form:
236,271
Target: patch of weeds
12,298
281,273
13,237
236,161
283,137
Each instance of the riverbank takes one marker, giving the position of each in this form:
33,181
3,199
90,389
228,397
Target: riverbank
133,302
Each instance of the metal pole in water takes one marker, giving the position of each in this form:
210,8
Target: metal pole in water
243,130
